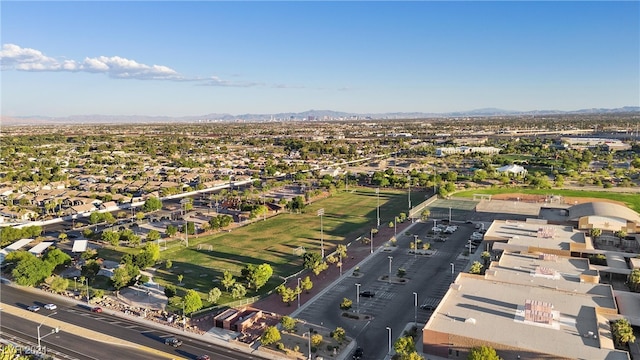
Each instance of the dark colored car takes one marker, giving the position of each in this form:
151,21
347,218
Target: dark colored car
357,355
173,341
428,307
367,294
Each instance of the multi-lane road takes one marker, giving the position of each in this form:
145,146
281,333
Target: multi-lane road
145,341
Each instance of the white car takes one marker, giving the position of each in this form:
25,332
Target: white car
50,306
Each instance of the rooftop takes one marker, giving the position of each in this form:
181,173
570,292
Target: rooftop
494,311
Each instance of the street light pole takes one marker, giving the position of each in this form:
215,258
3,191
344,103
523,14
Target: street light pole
390,259
389,352
340,264
320,213
395,226
75,283
53,330
409,198
452,271
310,329
415,308
415,246
371,242
298,290
449,214
87,291
378,206
358,297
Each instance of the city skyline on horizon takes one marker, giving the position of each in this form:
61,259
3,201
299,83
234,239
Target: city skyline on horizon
67,58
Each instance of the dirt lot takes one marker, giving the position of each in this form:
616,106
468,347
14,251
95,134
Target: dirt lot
541,199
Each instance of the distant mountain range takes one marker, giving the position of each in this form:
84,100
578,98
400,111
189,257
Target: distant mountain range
310,115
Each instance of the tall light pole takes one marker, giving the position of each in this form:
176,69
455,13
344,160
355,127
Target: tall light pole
340,264
395,226
320,213
449,214
358,297
452,271
310,329
469,247
415,246
390,260
299,291
389,352
415,308
75,283
88,291
52,330
409,197
378,206
371,242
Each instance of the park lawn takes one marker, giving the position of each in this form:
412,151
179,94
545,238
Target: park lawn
347,215
632,200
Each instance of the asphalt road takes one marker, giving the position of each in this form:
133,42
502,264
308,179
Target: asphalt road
393,304
115,326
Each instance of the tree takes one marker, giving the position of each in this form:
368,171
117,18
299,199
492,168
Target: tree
30,271
311,259
171,230
306,284
153,235
152,204
346,304
168,264
425,214
63,237
59,284
634,280
90,269
108,218
486,256
320,267
288,323
257,276
192,301
227,280
316,340
112,237
56,257
180,277
622,332
595,232
238,291
10,352
287,294
153,250
120,278
483,353
476,268
95,218
271,335
404,346
339,335
214,295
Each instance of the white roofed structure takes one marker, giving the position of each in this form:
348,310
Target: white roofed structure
80,246
38,249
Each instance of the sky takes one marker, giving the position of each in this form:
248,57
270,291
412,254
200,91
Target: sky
164,58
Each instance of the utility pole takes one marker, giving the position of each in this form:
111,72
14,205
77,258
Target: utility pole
415,308
378,207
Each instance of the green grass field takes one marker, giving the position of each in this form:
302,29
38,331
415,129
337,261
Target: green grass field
347,216
632,200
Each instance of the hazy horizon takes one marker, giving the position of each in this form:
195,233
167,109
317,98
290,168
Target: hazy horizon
173,59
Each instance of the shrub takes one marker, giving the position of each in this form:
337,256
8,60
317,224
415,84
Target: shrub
280,346
346,304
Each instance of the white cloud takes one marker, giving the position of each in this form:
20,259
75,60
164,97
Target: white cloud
14,57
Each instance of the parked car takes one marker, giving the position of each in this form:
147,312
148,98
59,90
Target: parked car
34,308
173,341
429,307
357,355
368,293
203,357
50,306
96,309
